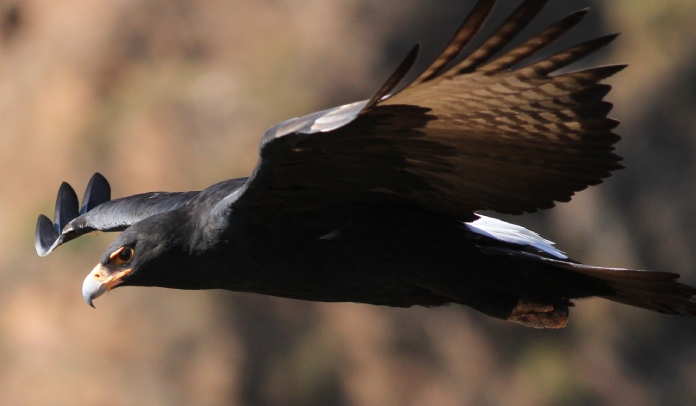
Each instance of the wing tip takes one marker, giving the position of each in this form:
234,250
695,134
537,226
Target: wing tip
467,30
44,236
98,191
66,206
396,77
50,234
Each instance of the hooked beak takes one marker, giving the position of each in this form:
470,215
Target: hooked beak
100,280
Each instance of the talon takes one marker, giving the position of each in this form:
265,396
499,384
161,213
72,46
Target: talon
539,315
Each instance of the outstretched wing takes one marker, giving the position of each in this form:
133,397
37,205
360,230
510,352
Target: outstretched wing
99,212
484,133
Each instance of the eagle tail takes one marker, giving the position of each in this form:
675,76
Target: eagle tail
656,291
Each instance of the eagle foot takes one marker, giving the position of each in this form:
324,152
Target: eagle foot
539,315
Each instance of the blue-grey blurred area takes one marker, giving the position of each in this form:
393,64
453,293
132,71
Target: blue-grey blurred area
174,95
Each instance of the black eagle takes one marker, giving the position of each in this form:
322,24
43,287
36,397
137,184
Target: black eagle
376,201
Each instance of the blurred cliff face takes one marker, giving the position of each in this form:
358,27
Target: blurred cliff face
174,95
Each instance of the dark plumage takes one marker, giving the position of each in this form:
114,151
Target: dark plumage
376,201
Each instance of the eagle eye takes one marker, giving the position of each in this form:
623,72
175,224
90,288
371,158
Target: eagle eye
124,254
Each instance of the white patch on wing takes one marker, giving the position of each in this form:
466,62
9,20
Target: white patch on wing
338,117
514,234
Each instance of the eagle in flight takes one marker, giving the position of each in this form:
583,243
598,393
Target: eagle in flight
376,201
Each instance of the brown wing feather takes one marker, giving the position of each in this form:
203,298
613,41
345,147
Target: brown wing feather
394,79
523,140
476,136
539,41
517,21
471,25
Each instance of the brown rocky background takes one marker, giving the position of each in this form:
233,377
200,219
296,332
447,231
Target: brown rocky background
174,95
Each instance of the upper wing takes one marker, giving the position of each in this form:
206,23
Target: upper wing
481,134
99,212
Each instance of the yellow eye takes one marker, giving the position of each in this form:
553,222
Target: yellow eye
122,255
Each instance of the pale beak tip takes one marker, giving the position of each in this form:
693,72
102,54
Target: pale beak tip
92,289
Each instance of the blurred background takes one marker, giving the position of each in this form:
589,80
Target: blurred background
174,95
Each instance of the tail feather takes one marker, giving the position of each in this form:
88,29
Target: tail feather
651,290
656,291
